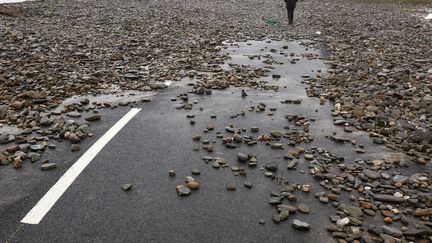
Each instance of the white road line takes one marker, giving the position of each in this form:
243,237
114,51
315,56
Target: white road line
50,198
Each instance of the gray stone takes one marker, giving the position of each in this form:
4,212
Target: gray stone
73,114
388,198
392,231
292,164
303,208
371,174
300,225
273,166
46,121
126,187
275,200
183,191
37,147
248,184
48,166
241,157
196,172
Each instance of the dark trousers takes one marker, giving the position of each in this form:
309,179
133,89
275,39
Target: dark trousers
290,16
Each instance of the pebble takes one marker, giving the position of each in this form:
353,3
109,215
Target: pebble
126,187
75,147
48,166
231,187
241,157
196,172
303,208
183,190
248,184
193,185
301,225
172,173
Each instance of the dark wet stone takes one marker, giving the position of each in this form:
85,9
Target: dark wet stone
292,164
46,121
371,174
392,231
241,157
272,166
388,198
275,200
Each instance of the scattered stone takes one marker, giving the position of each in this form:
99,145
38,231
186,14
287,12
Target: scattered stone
93,118
248,184
126,187
193,185
183,190
241,157
303,208
172,173
231,186
300,225
48,166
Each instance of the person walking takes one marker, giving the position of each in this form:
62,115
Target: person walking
290,6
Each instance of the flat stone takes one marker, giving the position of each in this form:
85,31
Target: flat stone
371,174
392,231
46,121
275,200
290,208
303,208
292,164
196,172
48,166
301,225
248,184
388,198
183,190
37,147
421,212
73,114
355,212
276,146
276,134
93,118
126,187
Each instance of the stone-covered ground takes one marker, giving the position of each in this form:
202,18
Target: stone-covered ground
380,76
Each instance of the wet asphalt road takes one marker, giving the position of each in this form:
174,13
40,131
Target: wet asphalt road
158,139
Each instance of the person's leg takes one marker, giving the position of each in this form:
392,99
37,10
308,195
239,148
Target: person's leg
290,16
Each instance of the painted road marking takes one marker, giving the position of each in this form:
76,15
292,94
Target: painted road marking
50,198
